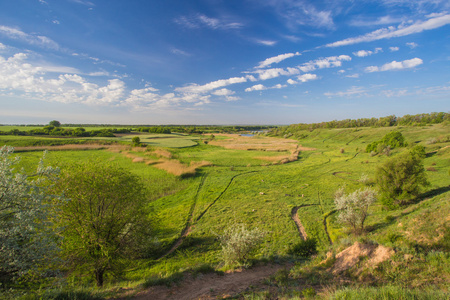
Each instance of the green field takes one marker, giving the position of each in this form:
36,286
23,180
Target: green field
239,187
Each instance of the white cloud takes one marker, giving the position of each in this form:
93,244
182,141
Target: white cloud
195,88
379,21
307,77
290,81
38,40
276,72
390,32
393,49
179,52
412,45
356,75
200,20
364,53
276,59
2,46
396,65
257,87
223,92
260,87
353,91
327,62
265,42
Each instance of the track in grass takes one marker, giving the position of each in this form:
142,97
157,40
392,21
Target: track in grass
188,226
221,194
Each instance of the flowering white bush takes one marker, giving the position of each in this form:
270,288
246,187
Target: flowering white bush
26,239
354,208
237,243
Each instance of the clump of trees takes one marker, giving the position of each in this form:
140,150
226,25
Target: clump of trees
104,219
28,243
393,139
401,179
354,208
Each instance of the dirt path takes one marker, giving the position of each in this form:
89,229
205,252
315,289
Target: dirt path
296,219
211,286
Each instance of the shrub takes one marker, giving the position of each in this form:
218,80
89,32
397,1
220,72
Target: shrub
238,242
304,248
400,179
393,139
353,208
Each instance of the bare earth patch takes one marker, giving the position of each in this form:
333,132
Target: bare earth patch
211,286
237,142
349,257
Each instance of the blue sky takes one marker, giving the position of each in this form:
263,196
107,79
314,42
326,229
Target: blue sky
221,62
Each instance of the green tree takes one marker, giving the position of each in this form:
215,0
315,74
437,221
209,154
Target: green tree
354,208
55,123
400,179
28,244
136,141
104,219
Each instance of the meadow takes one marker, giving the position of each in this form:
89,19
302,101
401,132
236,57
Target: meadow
251,180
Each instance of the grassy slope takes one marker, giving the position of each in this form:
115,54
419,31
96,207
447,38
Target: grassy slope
239,189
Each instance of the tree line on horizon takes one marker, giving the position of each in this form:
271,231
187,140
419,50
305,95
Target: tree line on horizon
389,121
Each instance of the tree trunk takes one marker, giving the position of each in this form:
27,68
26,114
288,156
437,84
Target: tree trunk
99,277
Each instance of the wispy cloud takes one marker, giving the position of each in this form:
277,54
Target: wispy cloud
412,45
327,62
276,59
179,52
303,78
38,40
391,32
195,88
396,65
366,21
202,21
265,42
354,91
276,72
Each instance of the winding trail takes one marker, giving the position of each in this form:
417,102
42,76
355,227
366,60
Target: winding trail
298,223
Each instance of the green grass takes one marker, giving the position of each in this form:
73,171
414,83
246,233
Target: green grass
239,188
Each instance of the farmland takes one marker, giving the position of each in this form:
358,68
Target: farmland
198,185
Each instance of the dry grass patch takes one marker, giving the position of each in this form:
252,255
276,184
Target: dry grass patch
177,168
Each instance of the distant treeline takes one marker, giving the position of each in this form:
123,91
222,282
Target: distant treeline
406,120
59,131
199,129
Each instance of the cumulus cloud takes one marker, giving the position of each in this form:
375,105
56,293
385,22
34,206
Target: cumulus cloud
391,32
327,62
38,40
396,65
260,87
307,77
276,59
393,49
364,53
276,72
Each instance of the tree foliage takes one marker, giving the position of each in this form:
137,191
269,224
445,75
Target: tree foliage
104,219
354,208
27,241
55,123
238,242
392,140
400,179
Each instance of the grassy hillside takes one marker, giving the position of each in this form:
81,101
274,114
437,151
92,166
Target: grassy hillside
253,185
